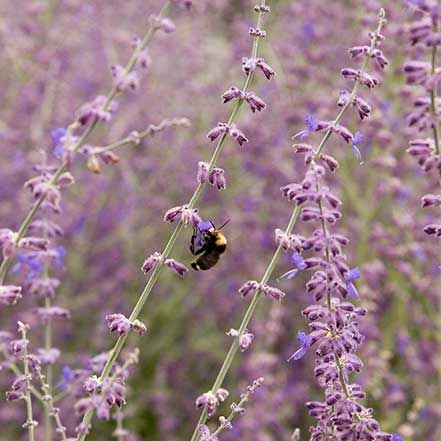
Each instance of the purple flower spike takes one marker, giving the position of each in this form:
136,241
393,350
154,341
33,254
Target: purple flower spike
396,437
305,341
352,275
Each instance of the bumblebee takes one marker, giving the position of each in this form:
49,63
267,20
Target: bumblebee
208,243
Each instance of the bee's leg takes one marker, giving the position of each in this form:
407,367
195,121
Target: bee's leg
199,251
193,238
195,264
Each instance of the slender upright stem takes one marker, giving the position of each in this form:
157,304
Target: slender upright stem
150,131
47,347
120,426
81,141
436,137
433,94
30,423
276,256
49,403
233,414
172,240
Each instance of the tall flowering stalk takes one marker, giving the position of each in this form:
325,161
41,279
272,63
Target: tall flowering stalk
424,32
425,75
307,191
27,378
187,214
334,320
42,285
89,116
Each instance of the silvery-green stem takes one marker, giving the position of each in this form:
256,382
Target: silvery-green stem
30,423
49,404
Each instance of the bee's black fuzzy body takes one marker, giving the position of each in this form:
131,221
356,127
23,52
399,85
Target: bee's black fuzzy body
214,244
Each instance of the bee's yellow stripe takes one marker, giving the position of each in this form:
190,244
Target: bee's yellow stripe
221,240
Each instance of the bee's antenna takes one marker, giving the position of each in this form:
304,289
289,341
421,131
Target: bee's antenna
223,225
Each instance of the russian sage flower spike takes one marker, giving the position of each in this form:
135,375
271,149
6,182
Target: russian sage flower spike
425,116
334,326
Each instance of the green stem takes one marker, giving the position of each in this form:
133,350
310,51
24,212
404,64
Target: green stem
81,141
151,130
172,240
119,426
433,96
436,137
49,404
30,418
48,346
232,414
